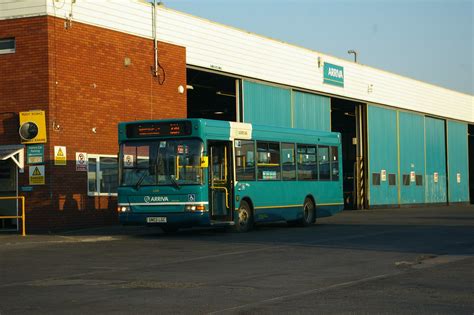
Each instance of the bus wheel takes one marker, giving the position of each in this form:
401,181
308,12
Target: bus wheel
308,213
244,221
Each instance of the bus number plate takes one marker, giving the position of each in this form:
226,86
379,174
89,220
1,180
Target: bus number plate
156,220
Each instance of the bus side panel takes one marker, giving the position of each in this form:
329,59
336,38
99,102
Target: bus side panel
283,200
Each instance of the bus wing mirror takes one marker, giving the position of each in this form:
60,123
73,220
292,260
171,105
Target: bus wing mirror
204,162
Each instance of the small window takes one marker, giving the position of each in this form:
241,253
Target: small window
307,167
406,179
7,45
334,164
288,161
102,175
245,159
323,163
376,179
268,160
392,179
419,180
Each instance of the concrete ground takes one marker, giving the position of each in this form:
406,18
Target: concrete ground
397,261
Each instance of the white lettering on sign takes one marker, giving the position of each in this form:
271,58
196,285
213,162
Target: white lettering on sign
148,199
336,73
240,130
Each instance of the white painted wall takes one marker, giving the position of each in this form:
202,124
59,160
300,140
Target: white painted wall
215,46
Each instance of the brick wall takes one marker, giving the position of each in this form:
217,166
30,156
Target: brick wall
78,75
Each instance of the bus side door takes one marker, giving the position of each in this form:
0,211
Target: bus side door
220,181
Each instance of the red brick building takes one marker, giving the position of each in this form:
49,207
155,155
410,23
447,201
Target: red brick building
86,79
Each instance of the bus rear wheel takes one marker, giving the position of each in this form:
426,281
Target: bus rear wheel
309,213
244,220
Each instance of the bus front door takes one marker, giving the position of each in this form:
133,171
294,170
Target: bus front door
220,181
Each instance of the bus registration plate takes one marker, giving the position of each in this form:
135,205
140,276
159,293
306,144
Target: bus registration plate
156,220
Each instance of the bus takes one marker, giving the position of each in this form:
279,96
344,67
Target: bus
186,173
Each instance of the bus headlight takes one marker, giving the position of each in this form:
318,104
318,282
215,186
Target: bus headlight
123,209
196,208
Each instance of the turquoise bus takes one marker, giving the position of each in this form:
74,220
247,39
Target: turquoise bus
196,172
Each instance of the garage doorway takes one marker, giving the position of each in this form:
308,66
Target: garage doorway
213,96
349,118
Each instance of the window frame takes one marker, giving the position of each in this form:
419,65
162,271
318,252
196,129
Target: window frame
295,164
97,171
306,146
254,161
268,151
329,162
8,50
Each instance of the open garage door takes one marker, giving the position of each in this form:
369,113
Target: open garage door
349,118
212,96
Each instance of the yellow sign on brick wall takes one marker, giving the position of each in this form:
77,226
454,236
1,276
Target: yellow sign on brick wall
59,155
36,175
33,127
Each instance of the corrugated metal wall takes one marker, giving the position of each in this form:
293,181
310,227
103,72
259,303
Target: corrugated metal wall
435,161
412,157
458,162
311,111
382,139
266,105
277,106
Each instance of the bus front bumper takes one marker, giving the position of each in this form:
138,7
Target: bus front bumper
177,219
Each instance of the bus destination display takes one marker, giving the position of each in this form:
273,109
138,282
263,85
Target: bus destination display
159,129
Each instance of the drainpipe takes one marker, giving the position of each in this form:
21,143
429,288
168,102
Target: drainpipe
155,40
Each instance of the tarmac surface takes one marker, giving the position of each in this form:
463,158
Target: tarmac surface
387,261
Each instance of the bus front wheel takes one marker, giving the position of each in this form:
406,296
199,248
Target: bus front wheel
244,220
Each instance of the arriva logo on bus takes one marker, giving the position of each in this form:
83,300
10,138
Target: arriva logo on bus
149,199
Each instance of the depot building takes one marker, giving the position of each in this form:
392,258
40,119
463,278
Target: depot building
71,70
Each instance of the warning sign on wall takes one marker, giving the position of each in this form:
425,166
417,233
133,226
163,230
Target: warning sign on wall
36,175
81,162
59,155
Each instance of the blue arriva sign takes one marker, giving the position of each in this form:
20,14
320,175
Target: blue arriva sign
333,74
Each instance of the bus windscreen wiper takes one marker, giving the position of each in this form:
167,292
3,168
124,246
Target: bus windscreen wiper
175,183
140,180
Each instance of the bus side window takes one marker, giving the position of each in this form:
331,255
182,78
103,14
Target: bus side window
307,166
334,164
288,161
268,163
245,159
324,163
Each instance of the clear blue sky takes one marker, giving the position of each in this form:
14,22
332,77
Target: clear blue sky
428,40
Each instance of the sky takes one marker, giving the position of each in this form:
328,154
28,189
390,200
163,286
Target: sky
427,40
